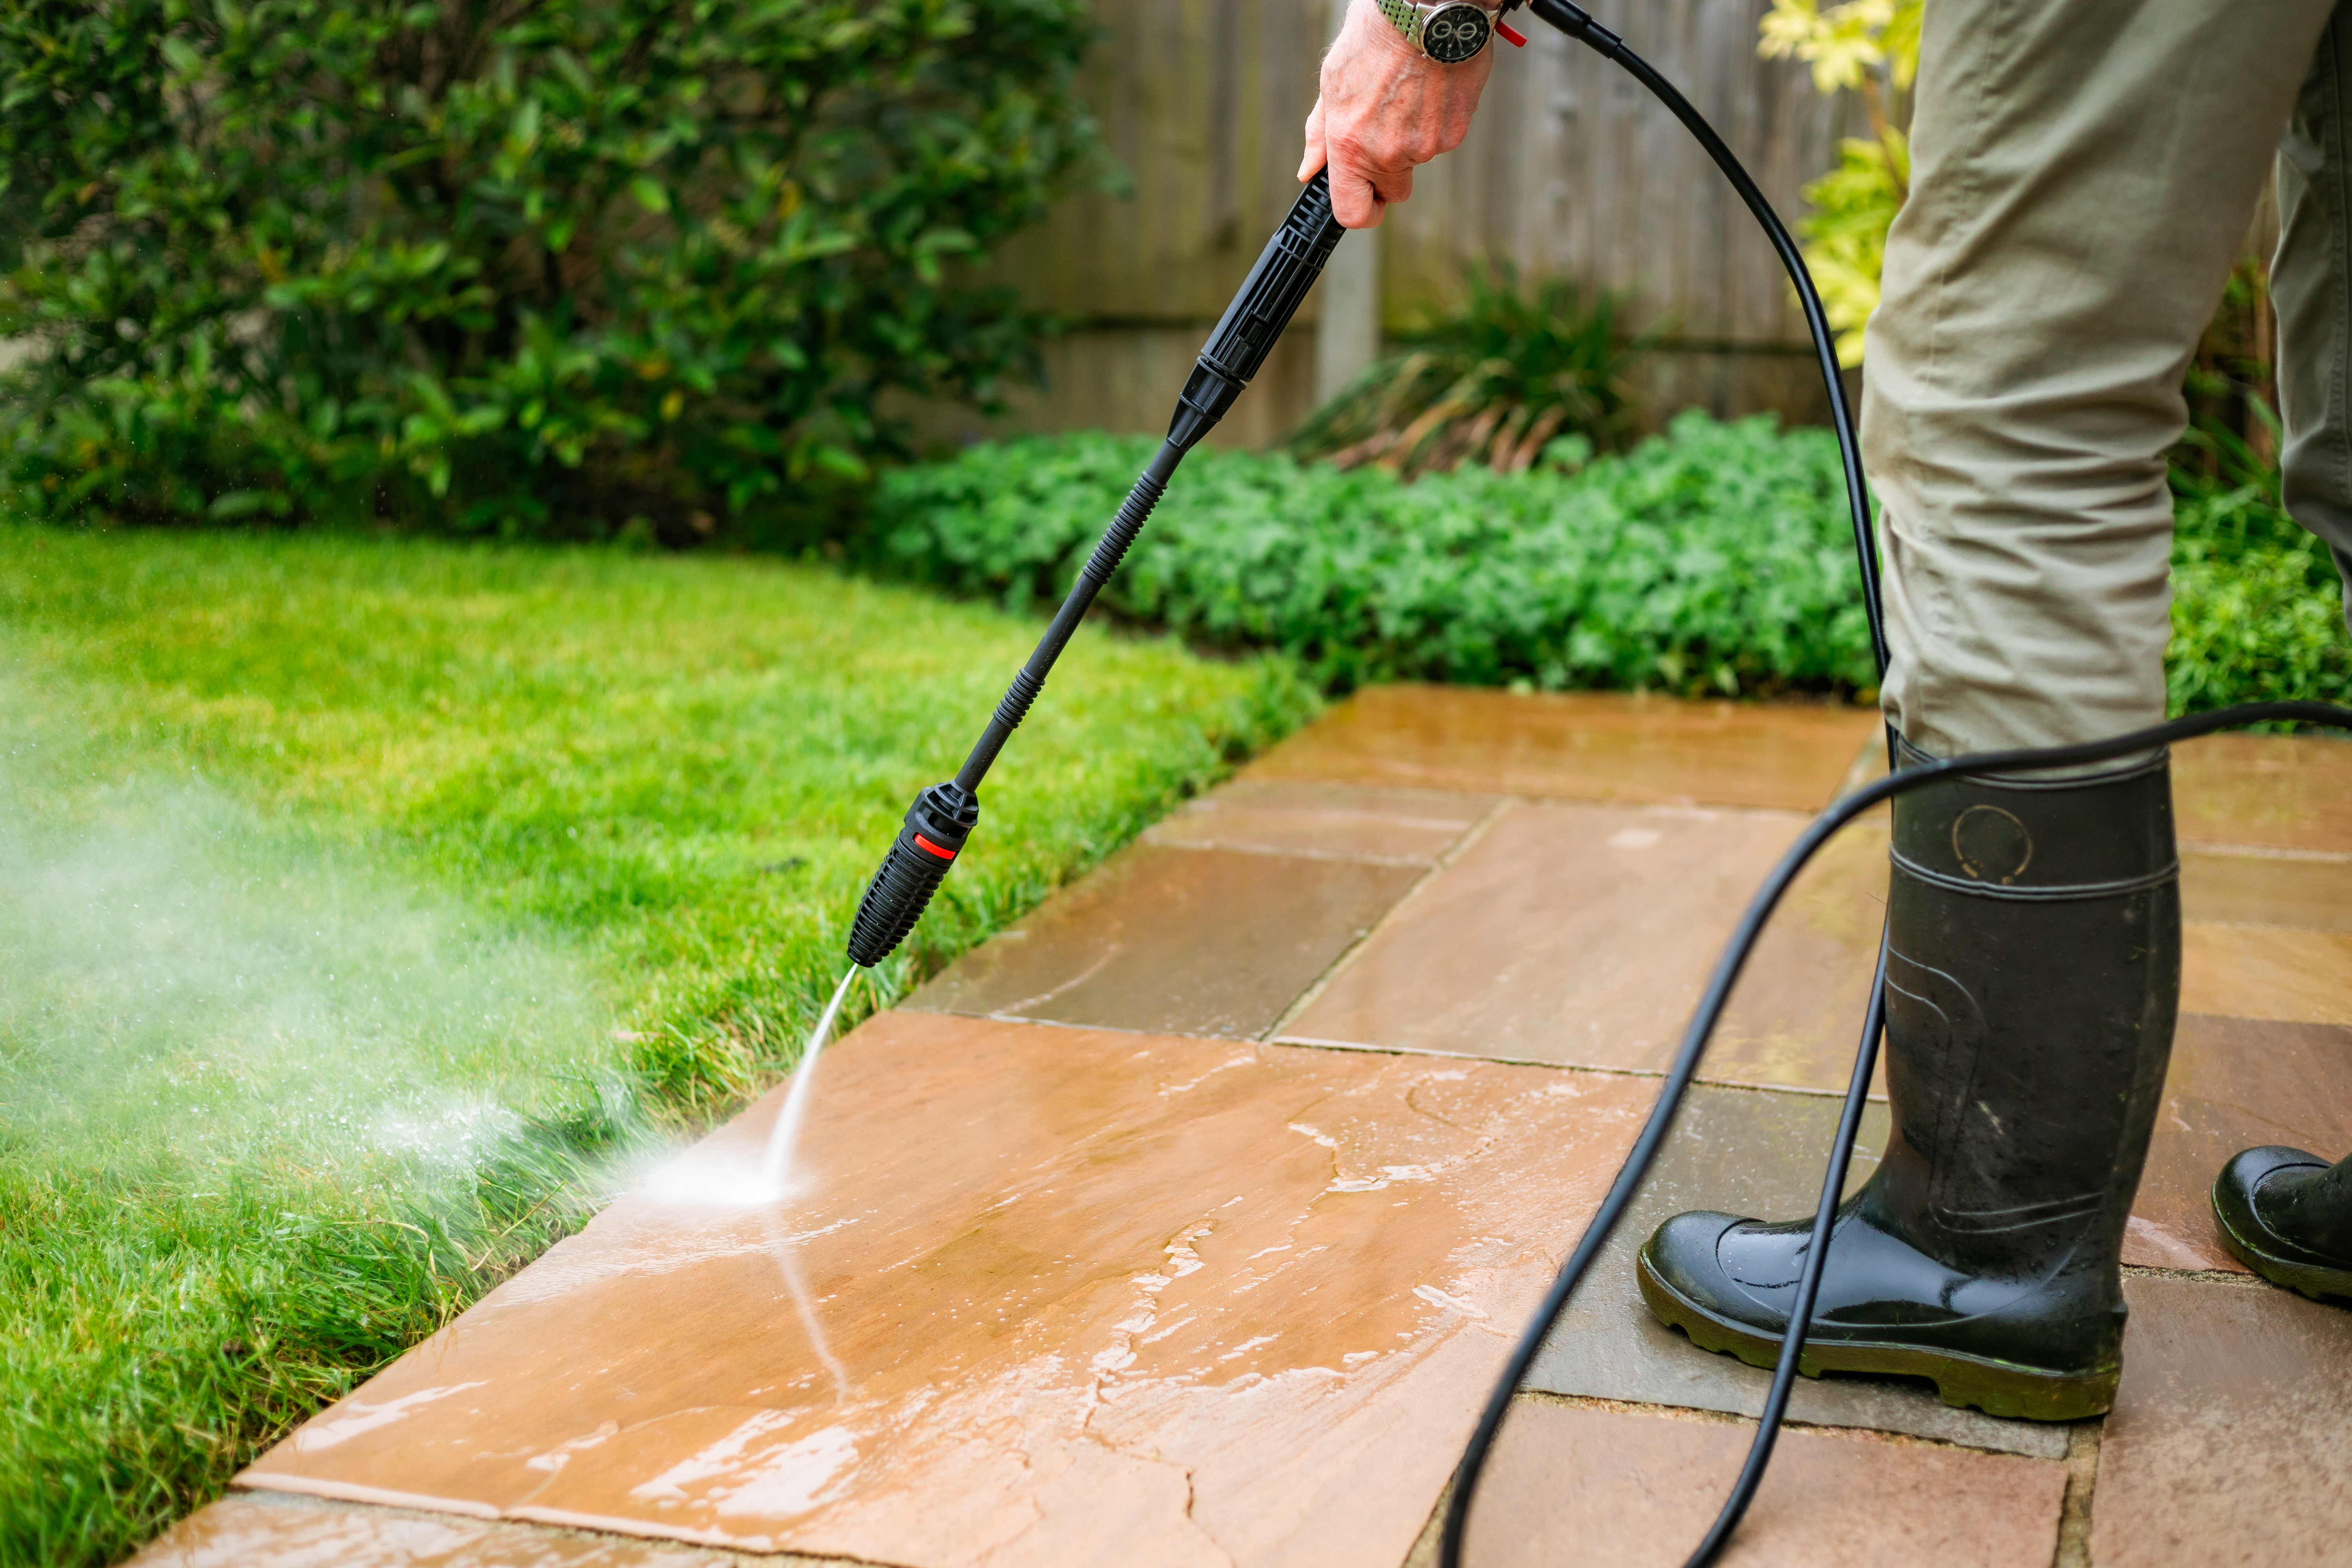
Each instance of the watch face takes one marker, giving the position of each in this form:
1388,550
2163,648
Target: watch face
1455,33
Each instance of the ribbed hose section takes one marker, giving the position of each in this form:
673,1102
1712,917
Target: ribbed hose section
1014,706
893,901
1133,513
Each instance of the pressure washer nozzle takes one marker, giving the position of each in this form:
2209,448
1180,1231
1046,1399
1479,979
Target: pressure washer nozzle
918,861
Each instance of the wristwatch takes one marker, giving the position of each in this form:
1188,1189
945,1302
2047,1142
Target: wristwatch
1447,31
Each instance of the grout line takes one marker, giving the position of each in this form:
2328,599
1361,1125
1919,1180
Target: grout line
1274,852
1704,1417
690,1553
1424,1547
2224,849
2231,1278
1459,848
1314,1042
2073,1548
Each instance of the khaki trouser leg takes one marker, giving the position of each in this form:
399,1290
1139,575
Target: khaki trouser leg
2084,173
2311,283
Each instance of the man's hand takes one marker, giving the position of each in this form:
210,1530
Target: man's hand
1384,109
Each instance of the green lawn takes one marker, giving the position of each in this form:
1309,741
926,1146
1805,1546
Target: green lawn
368,910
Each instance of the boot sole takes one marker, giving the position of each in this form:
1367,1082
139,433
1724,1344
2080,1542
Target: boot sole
1996,1387
2312,1279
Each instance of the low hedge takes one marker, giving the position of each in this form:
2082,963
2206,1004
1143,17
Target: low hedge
1716,558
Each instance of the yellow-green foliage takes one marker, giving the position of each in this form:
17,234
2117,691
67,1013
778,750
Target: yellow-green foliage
1851,207
1870,48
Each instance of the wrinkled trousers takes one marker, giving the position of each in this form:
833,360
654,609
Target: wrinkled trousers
2084,175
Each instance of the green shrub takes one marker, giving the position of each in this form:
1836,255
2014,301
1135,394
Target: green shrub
2257,605
1716,558
520,269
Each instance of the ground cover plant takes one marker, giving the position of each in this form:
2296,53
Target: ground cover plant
370,908
1713,559
563,267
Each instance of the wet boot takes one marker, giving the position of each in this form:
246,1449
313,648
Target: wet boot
2288,1217
2033,979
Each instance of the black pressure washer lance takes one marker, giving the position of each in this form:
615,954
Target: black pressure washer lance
943,817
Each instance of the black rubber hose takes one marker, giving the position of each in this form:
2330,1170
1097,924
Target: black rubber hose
1578,24
1710,1011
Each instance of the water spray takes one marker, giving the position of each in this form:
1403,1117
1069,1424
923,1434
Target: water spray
943,817
776,1174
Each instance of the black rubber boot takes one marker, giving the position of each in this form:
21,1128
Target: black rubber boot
2288,1217
2033,979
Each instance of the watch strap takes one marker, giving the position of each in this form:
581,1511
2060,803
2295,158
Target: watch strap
1406,15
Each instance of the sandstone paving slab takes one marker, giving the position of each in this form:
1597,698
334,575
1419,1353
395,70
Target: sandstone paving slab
1180,941
1051,1296
2310,892
267,1530
1580,746
2234,1083
1583,935
1283,817
2228,1439
1579,1483
2288,792
2266,971
1760,1154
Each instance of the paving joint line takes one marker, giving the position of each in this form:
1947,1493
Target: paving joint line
1331,971
306,1502
1706,1416
2073,1545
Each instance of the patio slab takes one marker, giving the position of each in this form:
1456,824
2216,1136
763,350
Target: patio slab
1176,941
1071,1297
299,1532
1349,822
1583,935
2227,1443
1745,1152
2285,791
1575,1483
2234,1083
1581,746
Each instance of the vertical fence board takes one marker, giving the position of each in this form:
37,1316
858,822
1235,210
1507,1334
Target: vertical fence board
1570,169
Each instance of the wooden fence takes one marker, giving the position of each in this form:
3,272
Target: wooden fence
1571,169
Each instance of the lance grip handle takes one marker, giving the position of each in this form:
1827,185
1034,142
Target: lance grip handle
1293,259
917,862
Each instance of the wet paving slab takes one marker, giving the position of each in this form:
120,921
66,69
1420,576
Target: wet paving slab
2234,1083
302,1532
1282,817
1581,746
1176,939
2228,1439
1076,1289
1578,1483
1583,935
2284,792
1073,1297
1758,1154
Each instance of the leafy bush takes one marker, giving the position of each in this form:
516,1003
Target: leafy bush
2257,605
1493,383
1717,558
518,268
